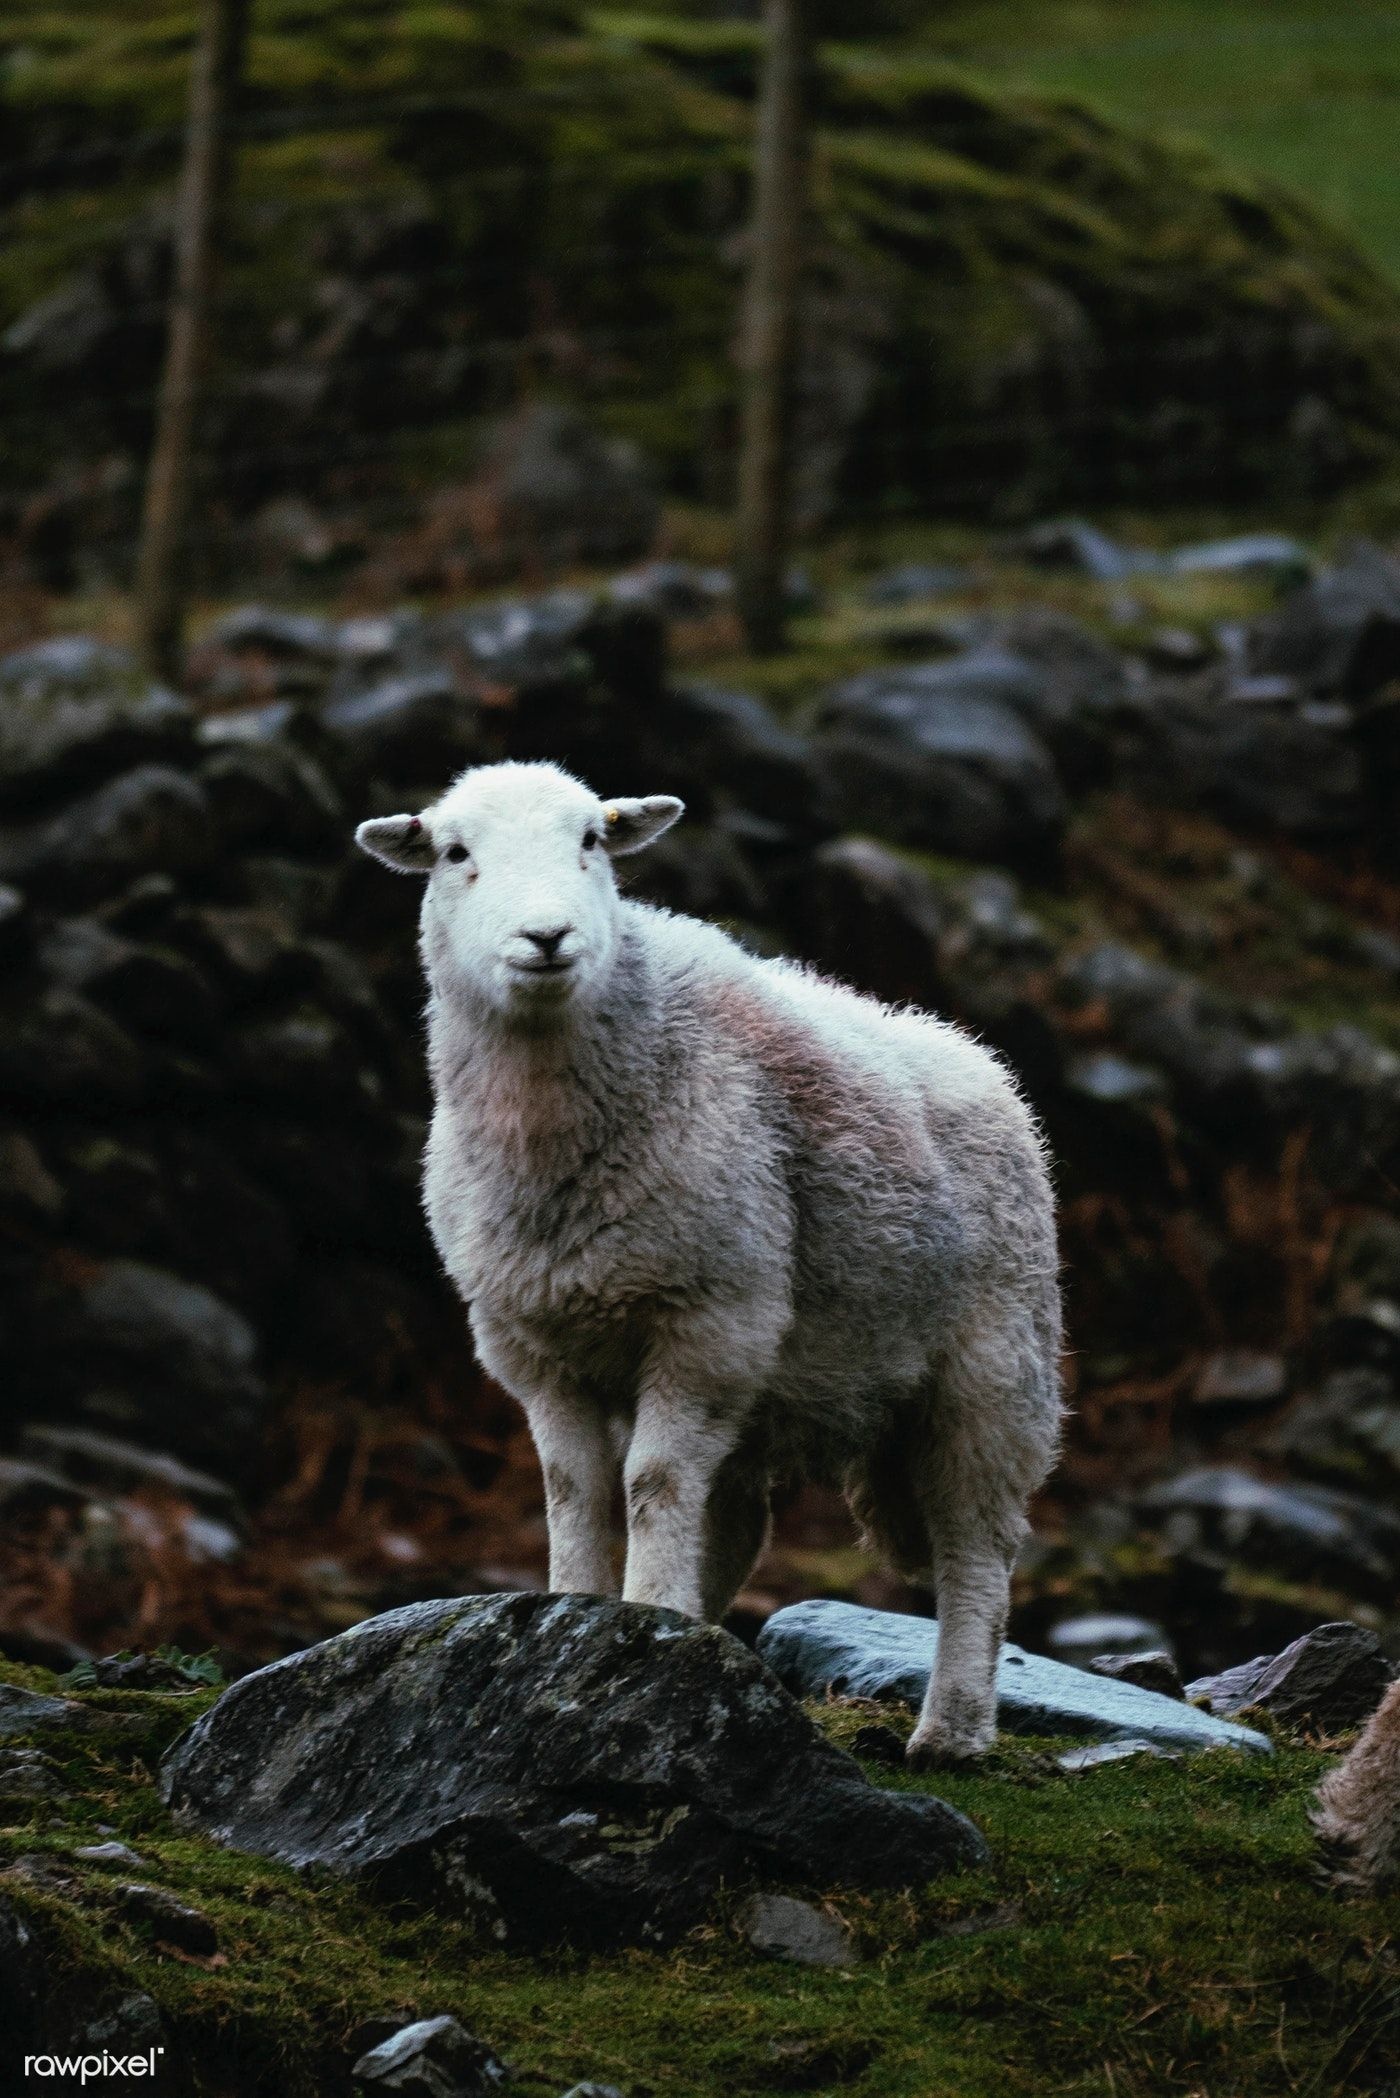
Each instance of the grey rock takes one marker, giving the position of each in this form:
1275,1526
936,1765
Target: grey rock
416,726
1109,1752
265,631
153,991
119,1855
272,793
1077,1640
1303,1530
28,1190
1072,543
562,1767
27,1779
131,2024
865,913
939,755
788,1929
593,2090
1156,1671
1333,1677
731,740
1241,1377
1348,1430
151,819
107,1462
432,2058
187,1358
25,1712
173,1921
31,1486
1339,633
823,1648
239,726
878,1744
1250,752
73,710
1115,1081
1269,554
674,589
58,1048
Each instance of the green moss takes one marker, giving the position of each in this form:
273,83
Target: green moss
1146,1927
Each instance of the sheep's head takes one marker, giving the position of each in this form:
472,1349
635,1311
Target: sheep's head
521,909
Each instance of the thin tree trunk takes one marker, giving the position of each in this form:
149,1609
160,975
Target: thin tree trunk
161,569
768,332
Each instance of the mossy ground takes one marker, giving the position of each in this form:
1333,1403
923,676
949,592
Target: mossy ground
1146,1927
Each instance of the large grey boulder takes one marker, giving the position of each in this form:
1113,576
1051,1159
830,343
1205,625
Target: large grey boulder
821,1648
561,1767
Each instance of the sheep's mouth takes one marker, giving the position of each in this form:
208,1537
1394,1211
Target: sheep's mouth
559,967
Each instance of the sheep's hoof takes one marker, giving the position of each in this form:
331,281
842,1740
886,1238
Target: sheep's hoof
941,1748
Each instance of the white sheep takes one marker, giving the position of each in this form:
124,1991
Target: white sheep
720,1222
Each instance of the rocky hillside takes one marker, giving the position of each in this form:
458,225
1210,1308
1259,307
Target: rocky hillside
243,1407
439,214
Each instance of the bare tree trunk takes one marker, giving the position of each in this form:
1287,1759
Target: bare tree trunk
160,579
768,329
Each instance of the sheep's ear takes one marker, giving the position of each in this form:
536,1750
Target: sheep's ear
633,824
403,842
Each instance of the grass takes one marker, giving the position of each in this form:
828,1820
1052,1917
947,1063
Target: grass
1148,1927
1307,96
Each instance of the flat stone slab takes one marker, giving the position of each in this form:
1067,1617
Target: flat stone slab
819,1647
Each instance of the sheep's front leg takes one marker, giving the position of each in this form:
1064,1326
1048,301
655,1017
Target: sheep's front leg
677,1449
580,1472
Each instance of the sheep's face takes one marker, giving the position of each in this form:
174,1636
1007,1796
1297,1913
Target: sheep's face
521,911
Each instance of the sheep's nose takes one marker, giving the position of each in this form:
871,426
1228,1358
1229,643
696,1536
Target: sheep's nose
547,942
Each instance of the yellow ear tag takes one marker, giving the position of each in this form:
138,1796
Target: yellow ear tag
610,815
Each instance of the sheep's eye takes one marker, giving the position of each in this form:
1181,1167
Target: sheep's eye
590,839
456,853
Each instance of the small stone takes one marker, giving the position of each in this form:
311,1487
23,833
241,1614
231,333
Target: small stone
433,2058
1157,1671
174,1922
1109,1752
27,1778
1241,1377
1333,1677
32,1712
878,1744
1078,1640
788,1929
110,1854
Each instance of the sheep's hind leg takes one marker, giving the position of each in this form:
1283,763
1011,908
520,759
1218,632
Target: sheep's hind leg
736,1529
992,1433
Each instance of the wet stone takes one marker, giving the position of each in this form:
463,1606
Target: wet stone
821,1649
432,2058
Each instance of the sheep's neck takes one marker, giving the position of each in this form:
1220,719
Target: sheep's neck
542,1102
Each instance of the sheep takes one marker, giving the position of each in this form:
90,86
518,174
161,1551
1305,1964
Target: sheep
719,1221
1357,1811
